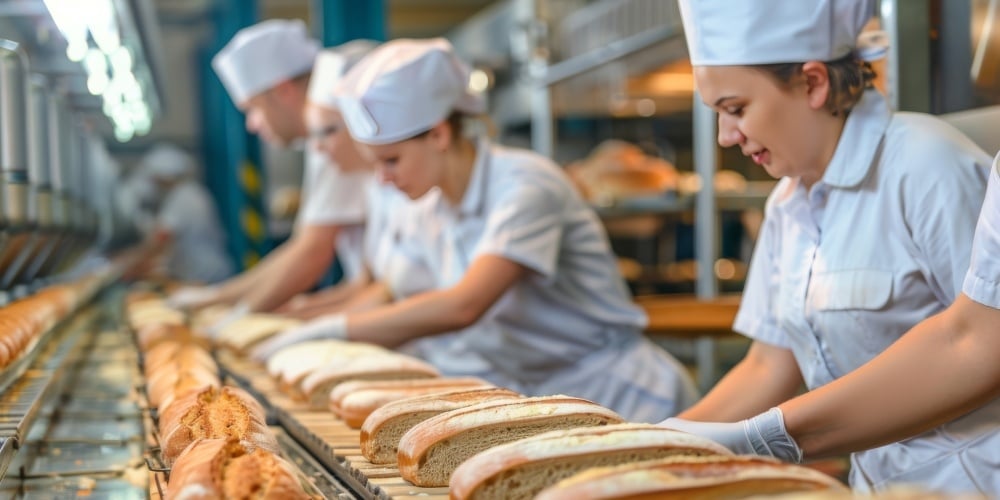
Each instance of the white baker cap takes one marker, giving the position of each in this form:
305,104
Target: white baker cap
745,32
263,55
166,161
403,88
331,65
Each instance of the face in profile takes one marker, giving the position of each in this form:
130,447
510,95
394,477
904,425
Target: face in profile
328,134
277,123
774,124
413,166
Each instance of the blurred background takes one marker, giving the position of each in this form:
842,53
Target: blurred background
563,77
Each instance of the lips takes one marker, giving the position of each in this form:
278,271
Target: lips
761,157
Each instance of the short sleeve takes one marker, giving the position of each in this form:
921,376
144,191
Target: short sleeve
757,317
982,281
331,196
525,225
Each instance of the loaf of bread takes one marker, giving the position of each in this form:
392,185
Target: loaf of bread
432,449
168,385
289,366
244,333
213,414
172,355
151,335
382,430
227,468
353,401
316,387
523,468
691,477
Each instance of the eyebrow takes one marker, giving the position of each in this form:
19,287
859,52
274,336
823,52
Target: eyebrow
719,101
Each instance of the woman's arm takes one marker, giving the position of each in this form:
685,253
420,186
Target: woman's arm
943,368
438,311
767,376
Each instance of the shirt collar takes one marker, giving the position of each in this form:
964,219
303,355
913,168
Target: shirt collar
475,193
859,142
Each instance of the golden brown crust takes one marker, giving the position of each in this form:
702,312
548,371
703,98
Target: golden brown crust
210,414
228,468
687,477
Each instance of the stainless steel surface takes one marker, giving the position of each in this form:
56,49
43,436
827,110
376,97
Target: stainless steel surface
88,437
38,130
909,74
13,107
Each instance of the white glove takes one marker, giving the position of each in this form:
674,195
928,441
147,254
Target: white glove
238,311
193,297
332,327
764,435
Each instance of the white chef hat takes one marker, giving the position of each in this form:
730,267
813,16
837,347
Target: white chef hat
263,55
403,88
745,32
331,65
166,161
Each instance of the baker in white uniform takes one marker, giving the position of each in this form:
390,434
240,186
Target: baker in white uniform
513,249
266,70
867,234
394,264
186,218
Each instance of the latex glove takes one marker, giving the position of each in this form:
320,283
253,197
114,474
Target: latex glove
237,312
764,435
332,327
193,297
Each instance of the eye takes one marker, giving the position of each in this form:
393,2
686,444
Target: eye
390,162
736,111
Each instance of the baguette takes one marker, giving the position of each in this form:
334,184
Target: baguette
432,449
691,477
244,333
221,468
316,387
523,468
353,401
293,363
213,414
381,431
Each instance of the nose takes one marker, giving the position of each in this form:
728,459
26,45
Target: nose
729,132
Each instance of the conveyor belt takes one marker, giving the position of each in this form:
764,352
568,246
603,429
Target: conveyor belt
329,439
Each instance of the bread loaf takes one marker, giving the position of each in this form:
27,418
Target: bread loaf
213,414
523,468
221,468
353,401
432,449
317,385
691,477
244,333
168,385
293,363
382,430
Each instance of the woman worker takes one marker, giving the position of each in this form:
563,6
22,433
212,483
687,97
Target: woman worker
393,270
513,249
867,233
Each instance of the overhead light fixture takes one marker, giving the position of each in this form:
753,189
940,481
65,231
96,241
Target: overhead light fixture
110,63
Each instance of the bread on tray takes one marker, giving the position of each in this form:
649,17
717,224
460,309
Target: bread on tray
432,449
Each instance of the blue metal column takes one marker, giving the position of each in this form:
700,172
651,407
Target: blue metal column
234,173
340,21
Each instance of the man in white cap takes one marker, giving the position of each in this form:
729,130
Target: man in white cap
868,233
266,70
186,218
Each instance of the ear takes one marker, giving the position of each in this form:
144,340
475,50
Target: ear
440,136
817,80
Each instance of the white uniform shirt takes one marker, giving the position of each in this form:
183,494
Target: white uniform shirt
842,270
198,252
568,327
982,283
393,256
333,197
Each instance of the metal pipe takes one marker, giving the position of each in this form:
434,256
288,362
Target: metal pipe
13,137
706,221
